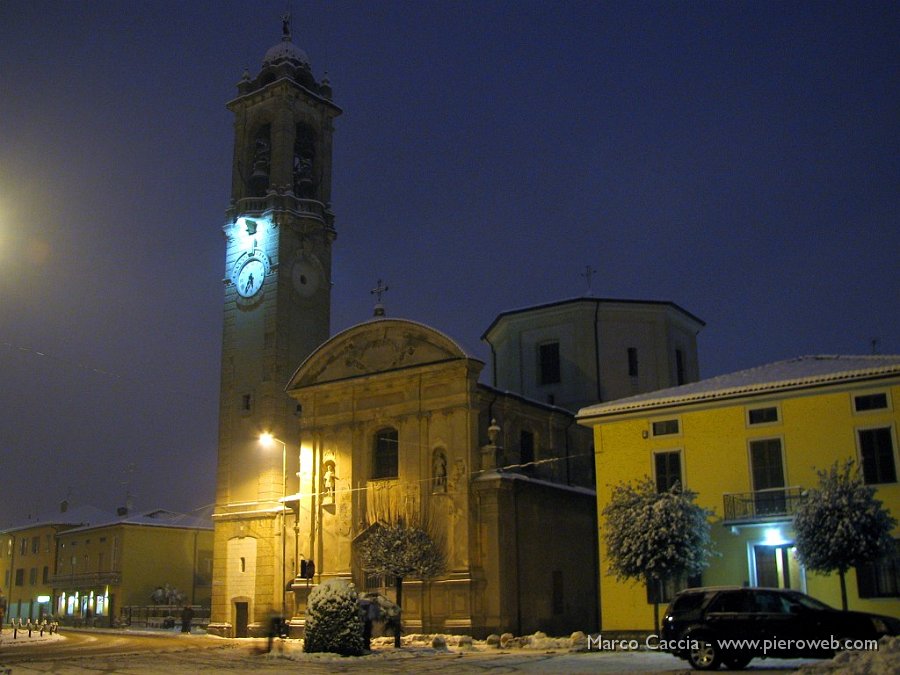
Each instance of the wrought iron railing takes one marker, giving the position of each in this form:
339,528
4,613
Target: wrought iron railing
281,202
762,505
85,579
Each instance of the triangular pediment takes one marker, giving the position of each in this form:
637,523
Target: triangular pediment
375,347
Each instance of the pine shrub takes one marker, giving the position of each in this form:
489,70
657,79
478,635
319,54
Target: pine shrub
333,623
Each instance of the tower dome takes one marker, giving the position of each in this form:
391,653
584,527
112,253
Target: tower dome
285,52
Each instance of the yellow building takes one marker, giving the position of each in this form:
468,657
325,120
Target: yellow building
121,561
28,558
82,562
749,444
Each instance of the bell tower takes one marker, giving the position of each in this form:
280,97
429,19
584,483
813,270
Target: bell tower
279,231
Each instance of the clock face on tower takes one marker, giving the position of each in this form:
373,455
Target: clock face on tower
307,274
249,272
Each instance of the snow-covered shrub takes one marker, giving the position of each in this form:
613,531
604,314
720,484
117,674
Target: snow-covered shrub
439,642
333,623
578,641
841,524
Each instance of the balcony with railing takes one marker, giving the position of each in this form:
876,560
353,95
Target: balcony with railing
284,202
762,506
83,579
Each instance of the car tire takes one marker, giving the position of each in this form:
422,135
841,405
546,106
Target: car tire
737,661
707,656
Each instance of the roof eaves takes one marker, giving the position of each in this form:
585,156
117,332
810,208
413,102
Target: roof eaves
626,406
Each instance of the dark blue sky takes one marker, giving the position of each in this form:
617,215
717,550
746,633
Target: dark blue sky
738,158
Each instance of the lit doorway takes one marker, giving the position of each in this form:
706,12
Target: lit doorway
776,566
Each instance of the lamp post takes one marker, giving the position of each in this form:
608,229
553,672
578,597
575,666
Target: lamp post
267,440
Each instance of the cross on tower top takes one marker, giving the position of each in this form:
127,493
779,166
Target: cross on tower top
379,291
588,274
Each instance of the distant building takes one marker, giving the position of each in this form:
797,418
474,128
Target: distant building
749,443
28,554
83,563
577,352
120,561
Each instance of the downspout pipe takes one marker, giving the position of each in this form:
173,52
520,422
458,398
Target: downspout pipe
493,362
518,531
568,451
597,345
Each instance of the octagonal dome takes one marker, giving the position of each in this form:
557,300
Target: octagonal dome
285,51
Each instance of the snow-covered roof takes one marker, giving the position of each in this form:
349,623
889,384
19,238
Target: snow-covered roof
76,515
153,518
589,300
499,475
796,373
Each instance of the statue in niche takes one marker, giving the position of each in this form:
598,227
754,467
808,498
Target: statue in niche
439,472
303,178
304,154
328,480
259,176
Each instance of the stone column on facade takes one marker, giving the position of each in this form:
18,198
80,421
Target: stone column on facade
498,587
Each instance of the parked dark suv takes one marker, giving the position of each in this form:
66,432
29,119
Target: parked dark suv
711,626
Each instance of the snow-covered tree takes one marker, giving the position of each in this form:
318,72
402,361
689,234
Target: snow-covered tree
333,623
400,550
841,524
655,536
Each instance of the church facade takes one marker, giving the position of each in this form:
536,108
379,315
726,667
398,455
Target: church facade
398,428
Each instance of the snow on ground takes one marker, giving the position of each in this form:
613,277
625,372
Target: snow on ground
883,661
22,640
451,654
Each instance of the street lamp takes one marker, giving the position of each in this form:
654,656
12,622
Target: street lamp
267,439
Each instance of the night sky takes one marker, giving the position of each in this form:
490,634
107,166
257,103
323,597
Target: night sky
741,159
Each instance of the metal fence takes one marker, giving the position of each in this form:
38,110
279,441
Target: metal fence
159,616
762,505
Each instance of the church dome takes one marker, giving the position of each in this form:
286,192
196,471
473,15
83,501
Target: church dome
286,51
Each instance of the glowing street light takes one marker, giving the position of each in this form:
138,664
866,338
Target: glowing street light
267,440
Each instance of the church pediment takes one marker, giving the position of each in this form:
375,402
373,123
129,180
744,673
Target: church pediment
375,347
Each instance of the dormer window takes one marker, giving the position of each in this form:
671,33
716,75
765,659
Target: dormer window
666,428
867,402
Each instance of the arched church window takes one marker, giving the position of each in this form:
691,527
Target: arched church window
385,454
